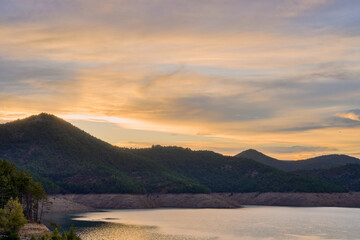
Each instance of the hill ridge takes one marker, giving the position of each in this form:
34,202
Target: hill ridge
319,162
67,159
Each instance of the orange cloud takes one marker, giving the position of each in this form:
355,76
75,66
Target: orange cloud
240,75
351,115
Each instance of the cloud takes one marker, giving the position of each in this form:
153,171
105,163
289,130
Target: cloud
353,115
298,149
27,76
160,15
215,105
245,73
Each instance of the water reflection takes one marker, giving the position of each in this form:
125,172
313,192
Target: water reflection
250,223
115,231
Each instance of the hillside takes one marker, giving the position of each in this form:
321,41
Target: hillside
321,162
55,151
67,159
347,176
326,161
264,159
228,174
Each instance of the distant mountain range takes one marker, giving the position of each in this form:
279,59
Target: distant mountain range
67,159
321,162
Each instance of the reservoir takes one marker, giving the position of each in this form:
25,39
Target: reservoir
248,223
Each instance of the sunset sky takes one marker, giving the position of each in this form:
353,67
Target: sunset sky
280,76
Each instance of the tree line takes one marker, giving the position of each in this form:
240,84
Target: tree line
23,200
19,185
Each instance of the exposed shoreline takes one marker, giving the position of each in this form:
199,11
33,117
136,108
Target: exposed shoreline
33,229
90,202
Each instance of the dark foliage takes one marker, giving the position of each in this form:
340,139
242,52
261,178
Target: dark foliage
228,174
321,162
19,185
347,176
66,159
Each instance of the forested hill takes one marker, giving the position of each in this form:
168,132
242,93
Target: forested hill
321,162
57,152
228,174
67,159
347,176
262,158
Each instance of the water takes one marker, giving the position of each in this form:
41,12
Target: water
248,223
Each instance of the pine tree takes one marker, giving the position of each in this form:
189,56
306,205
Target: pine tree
64,236
72,235
56,235
13,212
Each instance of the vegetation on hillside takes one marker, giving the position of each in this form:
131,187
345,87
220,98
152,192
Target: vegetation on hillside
68,160
19,185
347,176
22,200
228,174
12,219
320,162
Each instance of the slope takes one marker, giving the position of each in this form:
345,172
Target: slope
321,162
65,158
347,176
264,159
55,151
228,174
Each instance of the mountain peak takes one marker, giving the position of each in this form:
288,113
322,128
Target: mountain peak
262,158
252,153
35,120
43,117
42,127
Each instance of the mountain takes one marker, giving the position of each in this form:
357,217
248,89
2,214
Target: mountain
228,174
347,176
321,162
326,161
66,159
55,151
264,159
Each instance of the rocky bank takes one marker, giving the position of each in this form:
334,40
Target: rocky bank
90,202
33,229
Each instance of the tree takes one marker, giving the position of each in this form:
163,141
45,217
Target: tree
12,218
19,184
72,235
56,235
35,199
64,236
8,182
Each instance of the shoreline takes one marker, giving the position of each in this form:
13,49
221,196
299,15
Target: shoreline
71,203
33,229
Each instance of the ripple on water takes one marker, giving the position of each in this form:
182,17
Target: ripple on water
116,231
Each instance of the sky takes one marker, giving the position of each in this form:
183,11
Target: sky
279,76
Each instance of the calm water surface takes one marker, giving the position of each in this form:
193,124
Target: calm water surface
249,223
